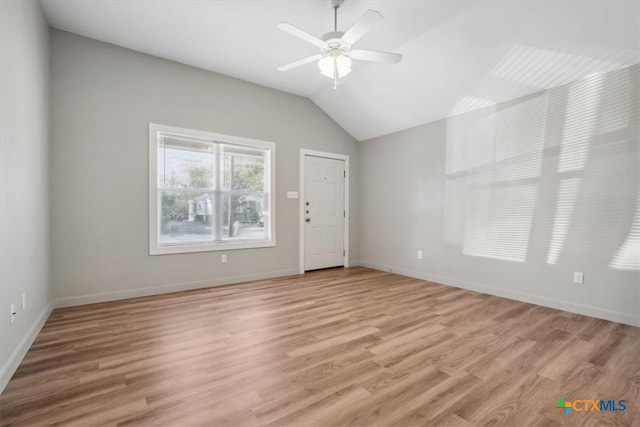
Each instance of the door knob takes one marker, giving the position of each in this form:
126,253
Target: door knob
307,219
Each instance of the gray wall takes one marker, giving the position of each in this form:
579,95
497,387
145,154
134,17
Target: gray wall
24,192
103,98
512,199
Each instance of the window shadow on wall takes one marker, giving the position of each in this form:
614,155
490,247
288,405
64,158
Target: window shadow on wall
550,175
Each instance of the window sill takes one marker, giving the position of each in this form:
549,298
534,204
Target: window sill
184,249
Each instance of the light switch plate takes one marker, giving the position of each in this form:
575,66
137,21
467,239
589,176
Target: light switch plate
292,194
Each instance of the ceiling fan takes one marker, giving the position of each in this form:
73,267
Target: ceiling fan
336,54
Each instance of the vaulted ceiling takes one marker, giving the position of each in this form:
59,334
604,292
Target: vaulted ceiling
457,55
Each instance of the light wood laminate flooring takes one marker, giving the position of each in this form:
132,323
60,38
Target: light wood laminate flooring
329,348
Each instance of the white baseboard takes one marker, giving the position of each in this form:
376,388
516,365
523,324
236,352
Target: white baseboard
600,313
164,289
18,354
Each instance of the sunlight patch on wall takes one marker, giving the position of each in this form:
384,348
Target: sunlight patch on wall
628,256
481,143
469,141
493,163
518,136
499,222
619,101
580,121
567,196
598,145
505,144
585,136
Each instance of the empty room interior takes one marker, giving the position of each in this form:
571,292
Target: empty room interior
319,213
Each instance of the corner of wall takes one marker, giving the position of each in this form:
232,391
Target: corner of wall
25,137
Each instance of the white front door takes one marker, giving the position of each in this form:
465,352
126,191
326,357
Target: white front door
324,214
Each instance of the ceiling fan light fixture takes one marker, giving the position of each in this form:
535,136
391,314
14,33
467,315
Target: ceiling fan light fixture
330,65
336,54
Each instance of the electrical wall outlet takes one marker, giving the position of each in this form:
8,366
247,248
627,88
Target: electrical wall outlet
24,300
223,258
578,277
12,311
419,254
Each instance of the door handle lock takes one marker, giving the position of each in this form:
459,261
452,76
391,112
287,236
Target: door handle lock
307,219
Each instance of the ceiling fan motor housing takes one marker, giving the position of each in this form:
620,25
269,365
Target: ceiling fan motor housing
334,45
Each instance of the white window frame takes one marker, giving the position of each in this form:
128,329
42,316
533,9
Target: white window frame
154,208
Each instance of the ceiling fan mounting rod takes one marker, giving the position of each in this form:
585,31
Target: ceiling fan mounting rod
335,4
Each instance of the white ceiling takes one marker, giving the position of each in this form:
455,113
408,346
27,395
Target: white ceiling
457,55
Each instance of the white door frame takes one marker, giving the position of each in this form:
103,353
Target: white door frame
345,158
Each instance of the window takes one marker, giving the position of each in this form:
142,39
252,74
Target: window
209,192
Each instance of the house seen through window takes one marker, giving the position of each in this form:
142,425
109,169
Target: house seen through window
211,192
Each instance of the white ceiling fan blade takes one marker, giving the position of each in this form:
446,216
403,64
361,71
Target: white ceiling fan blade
370,55
360,28
300,62
293,30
